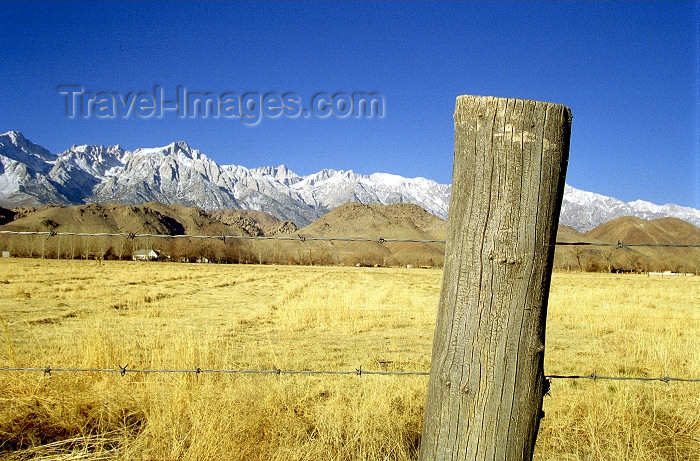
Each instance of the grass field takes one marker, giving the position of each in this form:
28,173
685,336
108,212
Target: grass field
182,316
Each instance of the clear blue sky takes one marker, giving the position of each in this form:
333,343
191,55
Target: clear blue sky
629,72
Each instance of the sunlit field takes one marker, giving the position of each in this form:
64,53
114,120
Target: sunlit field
140,315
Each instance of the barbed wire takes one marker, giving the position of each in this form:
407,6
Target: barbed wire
428,317
223,237
620,244
123,370
302,238
275,371
357,372
594,377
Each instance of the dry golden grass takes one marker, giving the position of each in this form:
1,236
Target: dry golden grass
159,315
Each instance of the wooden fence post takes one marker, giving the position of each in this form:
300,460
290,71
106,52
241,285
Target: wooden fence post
486,378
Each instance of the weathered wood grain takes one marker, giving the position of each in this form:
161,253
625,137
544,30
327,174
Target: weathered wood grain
486,380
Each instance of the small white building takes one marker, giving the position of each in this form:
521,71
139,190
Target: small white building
144,255
5,253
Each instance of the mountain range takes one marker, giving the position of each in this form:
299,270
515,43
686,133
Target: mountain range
30,175
373,221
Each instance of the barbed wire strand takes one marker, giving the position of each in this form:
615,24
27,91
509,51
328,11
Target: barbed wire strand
302,238
359,372
356,372
422,316
223,237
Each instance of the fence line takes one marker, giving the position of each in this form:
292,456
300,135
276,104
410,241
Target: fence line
623,245
356,372
397,311
223,237
302,238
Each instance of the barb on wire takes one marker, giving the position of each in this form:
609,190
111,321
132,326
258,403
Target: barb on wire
123,370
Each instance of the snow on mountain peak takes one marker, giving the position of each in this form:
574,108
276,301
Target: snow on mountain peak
17,139
176,173
279,172
83,149
14,146
15,136
282,172
174,149
180,145
584,210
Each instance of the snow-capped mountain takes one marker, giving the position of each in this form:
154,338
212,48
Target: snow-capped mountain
178,174
585,210
24,169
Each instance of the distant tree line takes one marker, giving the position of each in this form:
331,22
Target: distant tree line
620,260
233,251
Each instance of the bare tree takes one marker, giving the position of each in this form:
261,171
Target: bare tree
577,255
609,256
102,247
119,246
